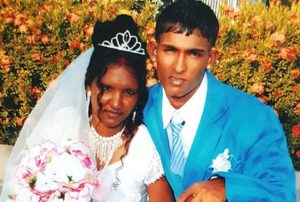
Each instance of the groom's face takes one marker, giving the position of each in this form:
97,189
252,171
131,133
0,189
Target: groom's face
181,63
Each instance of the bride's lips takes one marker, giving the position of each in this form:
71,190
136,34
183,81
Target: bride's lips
112,114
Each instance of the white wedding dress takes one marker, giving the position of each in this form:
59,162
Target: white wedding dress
141,166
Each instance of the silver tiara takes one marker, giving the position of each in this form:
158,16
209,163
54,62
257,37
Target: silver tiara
124,42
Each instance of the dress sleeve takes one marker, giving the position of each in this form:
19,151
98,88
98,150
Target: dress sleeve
155,170
152,165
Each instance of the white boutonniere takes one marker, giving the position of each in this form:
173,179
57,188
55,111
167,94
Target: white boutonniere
222,162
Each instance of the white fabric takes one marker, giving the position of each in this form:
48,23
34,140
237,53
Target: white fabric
141,167
192,120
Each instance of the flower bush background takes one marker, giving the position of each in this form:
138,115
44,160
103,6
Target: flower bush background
258,52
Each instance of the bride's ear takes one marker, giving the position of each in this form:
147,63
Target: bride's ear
152,50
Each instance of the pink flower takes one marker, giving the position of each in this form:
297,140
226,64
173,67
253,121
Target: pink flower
87,162
48,171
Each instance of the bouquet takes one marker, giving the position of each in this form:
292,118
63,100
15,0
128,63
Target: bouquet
52,173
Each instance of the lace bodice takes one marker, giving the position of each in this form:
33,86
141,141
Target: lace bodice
141,167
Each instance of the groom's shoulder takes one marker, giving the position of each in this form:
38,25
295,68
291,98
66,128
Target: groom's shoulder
154,90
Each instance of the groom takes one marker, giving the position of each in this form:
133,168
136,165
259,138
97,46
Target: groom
216,143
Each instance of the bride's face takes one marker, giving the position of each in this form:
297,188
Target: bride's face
120,95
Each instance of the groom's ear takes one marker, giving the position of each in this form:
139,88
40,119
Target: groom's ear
152,51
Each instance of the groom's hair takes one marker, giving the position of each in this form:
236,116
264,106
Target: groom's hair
186,16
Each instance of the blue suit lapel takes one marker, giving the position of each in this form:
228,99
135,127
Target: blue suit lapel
208,134
154,123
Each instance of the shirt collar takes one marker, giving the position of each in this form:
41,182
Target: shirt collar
185,110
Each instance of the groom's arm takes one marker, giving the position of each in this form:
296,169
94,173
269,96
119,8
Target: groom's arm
267,173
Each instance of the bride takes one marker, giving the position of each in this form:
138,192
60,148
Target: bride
99,100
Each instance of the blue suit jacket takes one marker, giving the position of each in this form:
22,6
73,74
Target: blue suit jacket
261,166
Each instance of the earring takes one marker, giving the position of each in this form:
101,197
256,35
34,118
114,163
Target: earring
88,100
133,116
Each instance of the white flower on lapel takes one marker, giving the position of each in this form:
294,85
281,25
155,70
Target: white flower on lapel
222,162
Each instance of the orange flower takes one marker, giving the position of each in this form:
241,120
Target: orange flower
228,10
296,73
88,29
254,20
277,93
278,37
19,121
298,108
276,2
296,130
36,31
54,58
258,88
36,57
219,76
298,154
76,45
35,91
20,19
267,67
45,8
1,95
23,28
73,17
10,17
249,54
66,63
31,39
44,39
293,17
5,62
288,53
268,25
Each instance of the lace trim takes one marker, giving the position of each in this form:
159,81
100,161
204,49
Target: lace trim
156,170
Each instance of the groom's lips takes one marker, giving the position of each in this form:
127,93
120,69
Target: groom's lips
176,81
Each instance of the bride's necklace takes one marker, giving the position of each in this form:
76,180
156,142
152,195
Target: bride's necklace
104,147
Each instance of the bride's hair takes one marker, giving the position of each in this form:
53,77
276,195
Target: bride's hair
103,56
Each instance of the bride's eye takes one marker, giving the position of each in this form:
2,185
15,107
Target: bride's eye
106,88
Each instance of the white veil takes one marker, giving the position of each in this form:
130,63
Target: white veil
60,115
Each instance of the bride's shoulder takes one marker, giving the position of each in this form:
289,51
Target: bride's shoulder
142,133
142,139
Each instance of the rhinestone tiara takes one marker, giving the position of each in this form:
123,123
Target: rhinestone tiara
124,42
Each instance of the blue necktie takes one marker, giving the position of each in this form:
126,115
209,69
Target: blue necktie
177,153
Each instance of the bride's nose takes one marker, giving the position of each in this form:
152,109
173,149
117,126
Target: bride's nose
115,100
